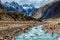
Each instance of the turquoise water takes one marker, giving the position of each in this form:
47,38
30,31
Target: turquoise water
36,33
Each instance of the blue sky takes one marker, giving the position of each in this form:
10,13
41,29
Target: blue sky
36,3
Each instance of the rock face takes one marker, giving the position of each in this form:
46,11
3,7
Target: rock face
50,10
37,13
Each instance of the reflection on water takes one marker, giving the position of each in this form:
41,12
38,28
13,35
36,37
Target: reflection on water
36,33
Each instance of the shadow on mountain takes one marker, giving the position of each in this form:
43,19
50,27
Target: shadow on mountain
52,11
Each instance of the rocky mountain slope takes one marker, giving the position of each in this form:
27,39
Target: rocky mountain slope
14,16
50,10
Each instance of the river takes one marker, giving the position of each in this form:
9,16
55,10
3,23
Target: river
36,33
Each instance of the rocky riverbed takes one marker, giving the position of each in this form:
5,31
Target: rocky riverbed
10,29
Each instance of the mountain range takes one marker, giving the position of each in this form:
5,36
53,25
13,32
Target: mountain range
50,10
13,16
15,7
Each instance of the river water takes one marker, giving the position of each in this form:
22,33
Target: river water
36,33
